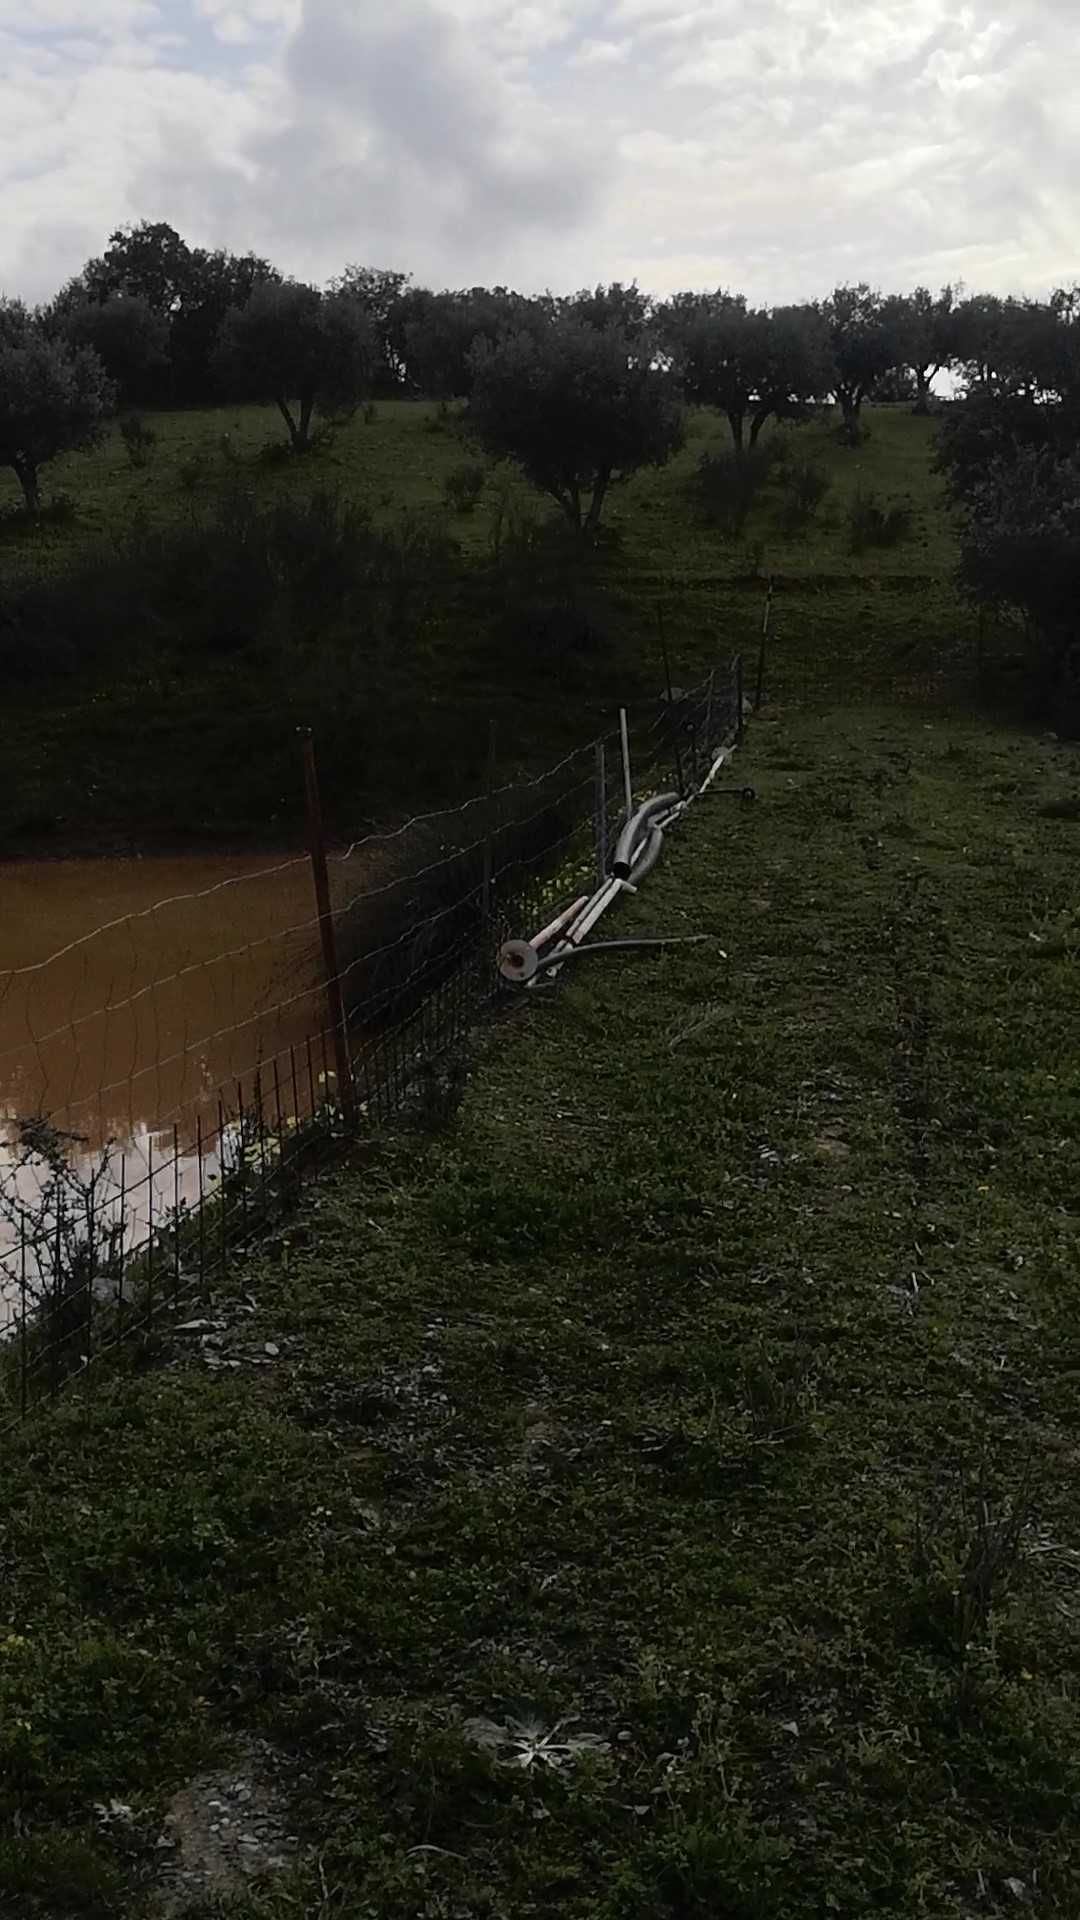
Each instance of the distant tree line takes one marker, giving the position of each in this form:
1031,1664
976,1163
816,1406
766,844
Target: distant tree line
580,390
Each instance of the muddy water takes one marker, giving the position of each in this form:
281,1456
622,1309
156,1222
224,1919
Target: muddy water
134,994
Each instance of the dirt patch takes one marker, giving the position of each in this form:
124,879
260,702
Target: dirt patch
223,1830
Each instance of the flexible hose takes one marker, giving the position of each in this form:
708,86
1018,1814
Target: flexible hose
624,946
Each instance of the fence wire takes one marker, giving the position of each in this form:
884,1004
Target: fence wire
168,1092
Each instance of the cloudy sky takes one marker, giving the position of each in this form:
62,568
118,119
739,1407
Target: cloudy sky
776,146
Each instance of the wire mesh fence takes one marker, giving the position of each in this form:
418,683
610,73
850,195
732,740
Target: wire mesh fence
169,1091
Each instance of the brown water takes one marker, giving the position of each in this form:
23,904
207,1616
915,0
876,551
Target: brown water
135,994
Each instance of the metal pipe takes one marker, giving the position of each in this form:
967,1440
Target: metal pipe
628,784
626,946
627,842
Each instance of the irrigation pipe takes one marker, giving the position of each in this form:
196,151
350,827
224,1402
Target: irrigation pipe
623,946
637,851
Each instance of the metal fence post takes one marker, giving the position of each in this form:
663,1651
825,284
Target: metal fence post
759,692
489,830
600,813
320,876
628,785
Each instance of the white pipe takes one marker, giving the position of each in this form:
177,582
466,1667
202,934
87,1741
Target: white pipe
541,939
721,759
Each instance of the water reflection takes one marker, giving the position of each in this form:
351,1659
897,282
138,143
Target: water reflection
143,1038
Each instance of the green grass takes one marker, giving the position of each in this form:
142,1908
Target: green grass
161,740
661,1391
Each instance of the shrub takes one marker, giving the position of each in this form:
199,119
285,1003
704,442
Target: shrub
191,472
806,488
464,486
139,439
728,484
875,523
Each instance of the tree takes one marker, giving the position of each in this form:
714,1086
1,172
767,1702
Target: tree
711,341
188,289
377,292
928,336
129,338
751,364
577,408
1011,452
625,308
53,398
214,284
865,344
300,348
150,259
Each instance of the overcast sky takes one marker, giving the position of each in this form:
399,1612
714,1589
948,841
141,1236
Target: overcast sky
774,146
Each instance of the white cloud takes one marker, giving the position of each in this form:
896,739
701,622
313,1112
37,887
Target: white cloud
777,146
600,53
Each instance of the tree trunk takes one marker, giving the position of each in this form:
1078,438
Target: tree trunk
735,422
26,475
923,377
294,431
850,399
596,505
757,423
307,408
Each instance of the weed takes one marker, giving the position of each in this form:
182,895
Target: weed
807,484
464,486
139,440
874,523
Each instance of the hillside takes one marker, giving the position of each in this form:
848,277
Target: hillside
708,1388
157,695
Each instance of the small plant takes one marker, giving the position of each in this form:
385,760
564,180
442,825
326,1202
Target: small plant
464,486
228,450
966,1555
191,472
807,486
875,523
139,440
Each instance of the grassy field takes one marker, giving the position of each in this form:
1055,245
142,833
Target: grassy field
709,1388
155,731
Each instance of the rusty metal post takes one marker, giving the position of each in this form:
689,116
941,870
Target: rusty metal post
321,878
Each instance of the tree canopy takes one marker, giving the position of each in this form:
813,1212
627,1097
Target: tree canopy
577,408
300,348
865,344
53,398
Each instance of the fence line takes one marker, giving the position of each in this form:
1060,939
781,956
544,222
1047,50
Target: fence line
96,1244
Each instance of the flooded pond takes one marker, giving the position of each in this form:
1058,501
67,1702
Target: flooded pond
137,997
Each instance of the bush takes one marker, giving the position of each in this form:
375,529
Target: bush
464,486
874,523
728,484
551,597
139,439
806,487
192,471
